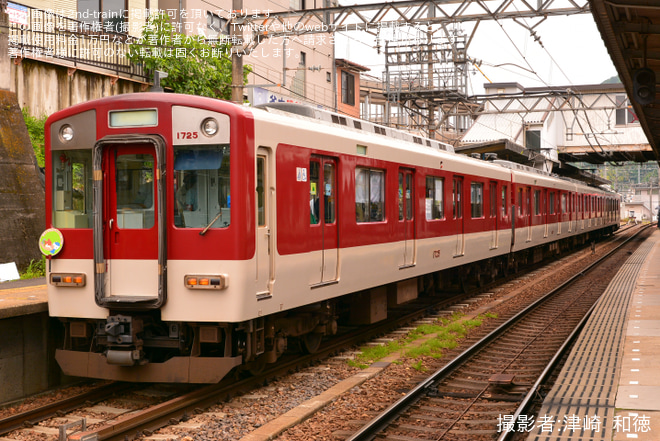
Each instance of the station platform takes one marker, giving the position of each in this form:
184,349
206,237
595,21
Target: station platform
609,387
23,297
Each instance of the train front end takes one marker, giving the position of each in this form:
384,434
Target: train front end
143,236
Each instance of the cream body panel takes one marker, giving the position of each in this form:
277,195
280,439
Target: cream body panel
69,301
132,277
359,268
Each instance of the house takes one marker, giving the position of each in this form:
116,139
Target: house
348,94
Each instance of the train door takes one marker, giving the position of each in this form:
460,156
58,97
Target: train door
457,202
528,212
570,207
132,216
323,209
493,220
544,212
407,216
265,251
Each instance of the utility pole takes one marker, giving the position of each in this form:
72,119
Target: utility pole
236,34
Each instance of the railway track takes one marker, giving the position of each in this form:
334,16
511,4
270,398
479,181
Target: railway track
474,395
180,407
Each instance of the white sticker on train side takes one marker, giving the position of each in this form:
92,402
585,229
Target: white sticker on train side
301,174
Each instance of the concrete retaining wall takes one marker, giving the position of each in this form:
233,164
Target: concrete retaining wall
22,217
46,87
27,356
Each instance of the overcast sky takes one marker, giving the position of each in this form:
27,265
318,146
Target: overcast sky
573,53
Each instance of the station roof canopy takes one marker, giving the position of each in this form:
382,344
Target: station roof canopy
631,32
510,151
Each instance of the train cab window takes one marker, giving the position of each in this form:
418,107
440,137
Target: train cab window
435,204
72,189
477,199
201,186
369,195
134,174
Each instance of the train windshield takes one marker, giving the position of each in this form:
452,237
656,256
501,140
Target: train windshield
72,189
201,186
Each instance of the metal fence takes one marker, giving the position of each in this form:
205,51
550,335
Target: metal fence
45,35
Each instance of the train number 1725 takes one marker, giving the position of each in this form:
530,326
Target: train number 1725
187,135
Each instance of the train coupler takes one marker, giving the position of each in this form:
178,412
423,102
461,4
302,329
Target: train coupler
125,358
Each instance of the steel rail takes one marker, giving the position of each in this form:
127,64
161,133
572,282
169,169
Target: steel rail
129,426
33,416
543,377
385,418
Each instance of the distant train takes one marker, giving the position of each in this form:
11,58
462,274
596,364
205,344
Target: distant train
198,236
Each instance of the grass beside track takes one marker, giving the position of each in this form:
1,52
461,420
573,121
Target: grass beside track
428,340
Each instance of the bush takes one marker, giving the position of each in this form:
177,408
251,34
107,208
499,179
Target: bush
35,128
35,269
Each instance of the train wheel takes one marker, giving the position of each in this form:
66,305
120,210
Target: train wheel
257,366
479,279
311,342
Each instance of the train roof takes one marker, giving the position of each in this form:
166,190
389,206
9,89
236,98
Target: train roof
348,122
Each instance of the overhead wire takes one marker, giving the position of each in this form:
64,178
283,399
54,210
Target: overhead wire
600,153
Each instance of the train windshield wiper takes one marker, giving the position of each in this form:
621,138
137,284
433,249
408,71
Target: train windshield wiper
203,232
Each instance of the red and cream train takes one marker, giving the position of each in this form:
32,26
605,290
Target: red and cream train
200,236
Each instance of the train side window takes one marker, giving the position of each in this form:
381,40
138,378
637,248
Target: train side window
405,194
435,204
329,192
504,201
369,195
551,203
477,199
201,186
409,196
314,167
261,189
72,185
537,202
457,201
520,201
493,199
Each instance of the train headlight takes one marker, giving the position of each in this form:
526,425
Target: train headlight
68,279
216,281
209,127
66,133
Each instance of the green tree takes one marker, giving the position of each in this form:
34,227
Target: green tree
193,65
35,128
